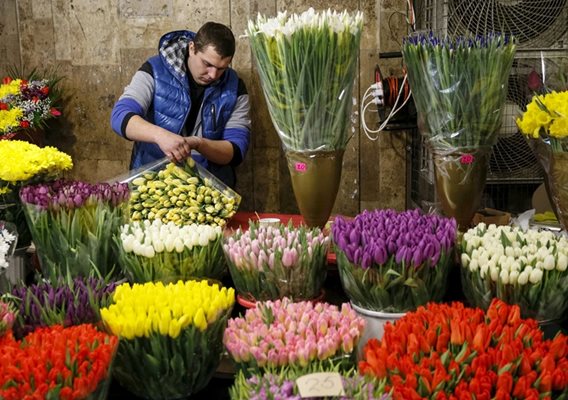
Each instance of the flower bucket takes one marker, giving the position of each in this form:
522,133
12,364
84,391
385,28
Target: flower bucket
315,180
555,165
460,180
374,324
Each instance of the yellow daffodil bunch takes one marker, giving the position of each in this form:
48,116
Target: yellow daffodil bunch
172,335
23,161
154,308
546,115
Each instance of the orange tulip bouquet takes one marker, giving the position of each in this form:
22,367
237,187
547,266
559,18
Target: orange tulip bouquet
448,351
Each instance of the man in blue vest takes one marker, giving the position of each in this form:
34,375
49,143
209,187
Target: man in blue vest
188,101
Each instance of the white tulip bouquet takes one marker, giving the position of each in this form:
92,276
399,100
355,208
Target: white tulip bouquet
157,251
528,268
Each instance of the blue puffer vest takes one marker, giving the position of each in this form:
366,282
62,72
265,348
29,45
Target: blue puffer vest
172,103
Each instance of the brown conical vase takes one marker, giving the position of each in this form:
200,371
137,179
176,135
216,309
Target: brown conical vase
555,166
460,181
315,180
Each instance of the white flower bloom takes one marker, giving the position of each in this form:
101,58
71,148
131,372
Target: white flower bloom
535,276
549,263
149,251
465,260
504,277
159,245
473,265
523,278
513,277
562,262
509,251
494,273
483,270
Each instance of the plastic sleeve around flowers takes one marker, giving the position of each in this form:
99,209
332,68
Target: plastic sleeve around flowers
459,86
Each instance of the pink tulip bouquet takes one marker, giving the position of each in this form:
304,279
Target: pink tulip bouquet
301,335
269,263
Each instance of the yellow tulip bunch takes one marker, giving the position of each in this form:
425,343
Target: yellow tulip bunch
141,310
172,336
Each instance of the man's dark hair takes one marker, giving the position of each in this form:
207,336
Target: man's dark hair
217,36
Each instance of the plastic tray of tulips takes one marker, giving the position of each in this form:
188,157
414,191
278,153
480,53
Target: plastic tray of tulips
528,268
154,251
301,336
394,261
73,224
66,303
449,351
57,363
269,263
171,336
182,193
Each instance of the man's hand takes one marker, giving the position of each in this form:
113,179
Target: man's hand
175,147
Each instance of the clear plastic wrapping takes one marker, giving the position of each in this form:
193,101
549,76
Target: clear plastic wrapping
182,193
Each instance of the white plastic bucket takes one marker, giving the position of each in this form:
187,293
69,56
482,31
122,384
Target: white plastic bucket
374,324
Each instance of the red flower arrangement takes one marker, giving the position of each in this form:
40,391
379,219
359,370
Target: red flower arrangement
56,363
448,351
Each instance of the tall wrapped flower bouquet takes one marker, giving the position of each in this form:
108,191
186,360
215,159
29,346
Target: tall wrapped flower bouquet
545,123
307,64
459,85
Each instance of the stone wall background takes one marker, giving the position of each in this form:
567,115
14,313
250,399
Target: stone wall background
98,45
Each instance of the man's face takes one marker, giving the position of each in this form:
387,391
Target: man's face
206,66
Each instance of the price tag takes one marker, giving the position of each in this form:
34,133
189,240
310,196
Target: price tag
320,384
301,167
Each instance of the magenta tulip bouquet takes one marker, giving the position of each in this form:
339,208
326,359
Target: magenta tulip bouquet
73,224
269,263
277,334
394,261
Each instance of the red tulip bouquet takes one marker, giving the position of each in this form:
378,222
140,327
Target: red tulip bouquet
73,224
57,363
394,261
448,351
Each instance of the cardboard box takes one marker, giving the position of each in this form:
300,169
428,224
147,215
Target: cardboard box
491,216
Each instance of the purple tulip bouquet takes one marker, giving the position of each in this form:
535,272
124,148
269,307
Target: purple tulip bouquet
66,303
73,224
394,261
269,263
299,335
